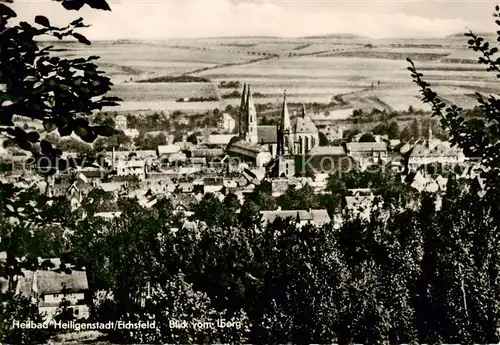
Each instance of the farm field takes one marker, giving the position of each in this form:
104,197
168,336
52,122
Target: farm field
148,92
369,73
166,106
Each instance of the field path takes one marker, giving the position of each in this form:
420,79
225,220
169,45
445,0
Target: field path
232,64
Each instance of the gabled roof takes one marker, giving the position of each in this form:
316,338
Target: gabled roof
359,202
434,148
183,200
51,282
111,186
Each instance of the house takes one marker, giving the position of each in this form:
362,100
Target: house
366,154
317,217
185,187
51,288
182,202
393,143
433,151
131,132
167,149
121,122
116,188
212,185
48,287
226,123
147,200
133,167
423,182
230,186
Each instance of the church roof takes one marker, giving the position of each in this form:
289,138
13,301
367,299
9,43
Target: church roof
267,134
305,125
256,148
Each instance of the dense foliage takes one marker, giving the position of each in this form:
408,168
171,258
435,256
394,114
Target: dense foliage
371,281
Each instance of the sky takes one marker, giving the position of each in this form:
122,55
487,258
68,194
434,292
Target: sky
166,19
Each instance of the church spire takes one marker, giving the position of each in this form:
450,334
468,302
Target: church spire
303,110
251,122
285,116
242,112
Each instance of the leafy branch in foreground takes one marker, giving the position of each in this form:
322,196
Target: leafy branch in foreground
478,137
59,92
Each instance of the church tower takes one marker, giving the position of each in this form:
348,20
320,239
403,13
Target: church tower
242,113
251,130
286,128
284,150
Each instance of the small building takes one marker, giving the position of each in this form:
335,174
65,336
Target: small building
226,123
51,288
167,149
434,151
212,185
121,122
133,167
47,288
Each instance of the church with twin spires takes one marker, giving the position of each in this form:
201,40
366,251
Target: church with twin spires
268,144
